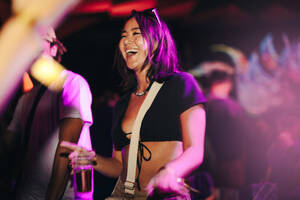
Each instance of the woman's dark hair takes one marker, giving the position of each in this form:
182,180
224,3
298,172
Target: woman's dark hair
217,76
163,59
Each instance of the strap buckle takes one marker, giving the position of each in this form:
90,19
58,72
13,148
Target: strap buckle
129,187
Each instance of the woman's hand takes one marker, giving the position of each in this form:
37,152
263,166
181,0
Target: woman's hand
166,183
79,155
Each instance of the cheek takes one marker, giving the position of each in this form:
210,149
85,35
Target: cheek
121,48
143,43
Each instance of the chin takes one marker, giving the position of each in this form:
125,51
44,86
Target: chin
132,67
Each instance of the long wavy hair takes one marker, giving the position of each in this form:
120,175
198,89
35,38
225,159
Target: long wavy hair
163,60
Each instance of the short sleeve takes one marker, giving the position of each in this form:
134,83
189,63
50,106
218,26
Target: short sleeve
76,99
187,91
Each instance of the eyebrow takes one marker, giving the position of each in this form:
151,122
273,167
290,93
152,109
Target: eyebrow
133,29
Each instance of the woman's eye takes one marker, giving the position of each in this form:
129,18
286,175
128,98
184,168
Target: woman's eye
136,33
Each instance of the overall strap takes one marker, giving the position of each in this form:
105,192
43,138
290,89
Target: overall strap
134,141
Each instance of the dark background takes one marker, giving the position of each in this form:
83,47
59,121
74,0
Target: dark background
91,31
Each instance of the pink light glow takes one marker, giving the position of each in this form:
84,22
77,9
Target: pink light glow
126,8
182,8
121,9
93,7
78,95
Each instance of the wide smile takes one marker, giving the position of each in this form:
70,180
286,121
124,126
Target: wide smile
131,52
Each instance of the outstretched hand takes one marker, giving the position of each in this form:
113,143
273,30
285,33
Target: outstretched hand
166,183
79,154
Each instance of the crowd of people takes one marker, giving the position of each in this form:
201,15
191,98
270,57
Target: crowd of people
266,134
221,131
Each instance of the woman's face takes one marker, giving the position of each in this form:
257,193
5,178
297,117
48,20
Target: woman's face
132,45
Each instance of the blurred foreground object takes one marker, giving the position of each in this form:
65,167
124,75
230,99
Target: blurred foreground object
49,72
19,40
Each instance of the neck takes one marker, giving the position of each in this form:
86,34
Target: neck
142,80
142,85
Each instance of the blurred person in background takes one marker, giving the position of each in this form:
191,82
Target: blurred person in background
42,173
226,130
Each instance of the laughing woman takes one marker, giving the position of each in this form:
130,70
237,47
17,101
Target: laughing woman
171,140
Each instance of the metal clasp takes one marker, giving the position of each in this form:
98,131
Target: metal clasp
129,188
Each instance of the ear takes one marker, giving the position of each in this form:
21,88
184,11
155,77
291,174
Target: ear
53,50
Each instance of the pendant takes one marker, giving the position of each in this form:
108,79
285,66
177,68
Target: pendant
140,93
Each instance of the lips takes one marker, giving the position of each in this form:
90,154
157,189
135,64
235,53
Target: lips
131,52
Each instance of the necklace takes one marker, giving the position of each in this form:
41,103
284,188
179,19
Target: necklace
139,94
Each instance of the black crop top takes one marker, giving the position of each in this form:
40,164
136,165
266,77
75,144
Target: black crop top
161,122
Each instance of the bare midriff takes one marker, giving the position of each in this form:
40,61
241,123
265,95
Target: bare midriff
161,154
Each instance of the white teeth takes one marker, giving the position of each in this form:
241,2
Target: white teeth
131,51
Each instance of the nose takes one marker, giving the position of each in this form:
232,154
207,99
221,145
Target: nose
128,40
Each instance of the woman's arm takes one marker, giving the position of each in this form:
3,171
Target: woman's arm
109,166
193,123
169,178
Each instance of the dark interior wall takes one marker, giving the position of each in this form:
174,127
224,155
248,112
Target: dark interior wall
91,53
91,50
238,23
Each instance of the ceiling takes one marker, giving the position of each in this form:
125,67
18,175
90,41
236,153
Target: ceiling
91,30
233,12
194,11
